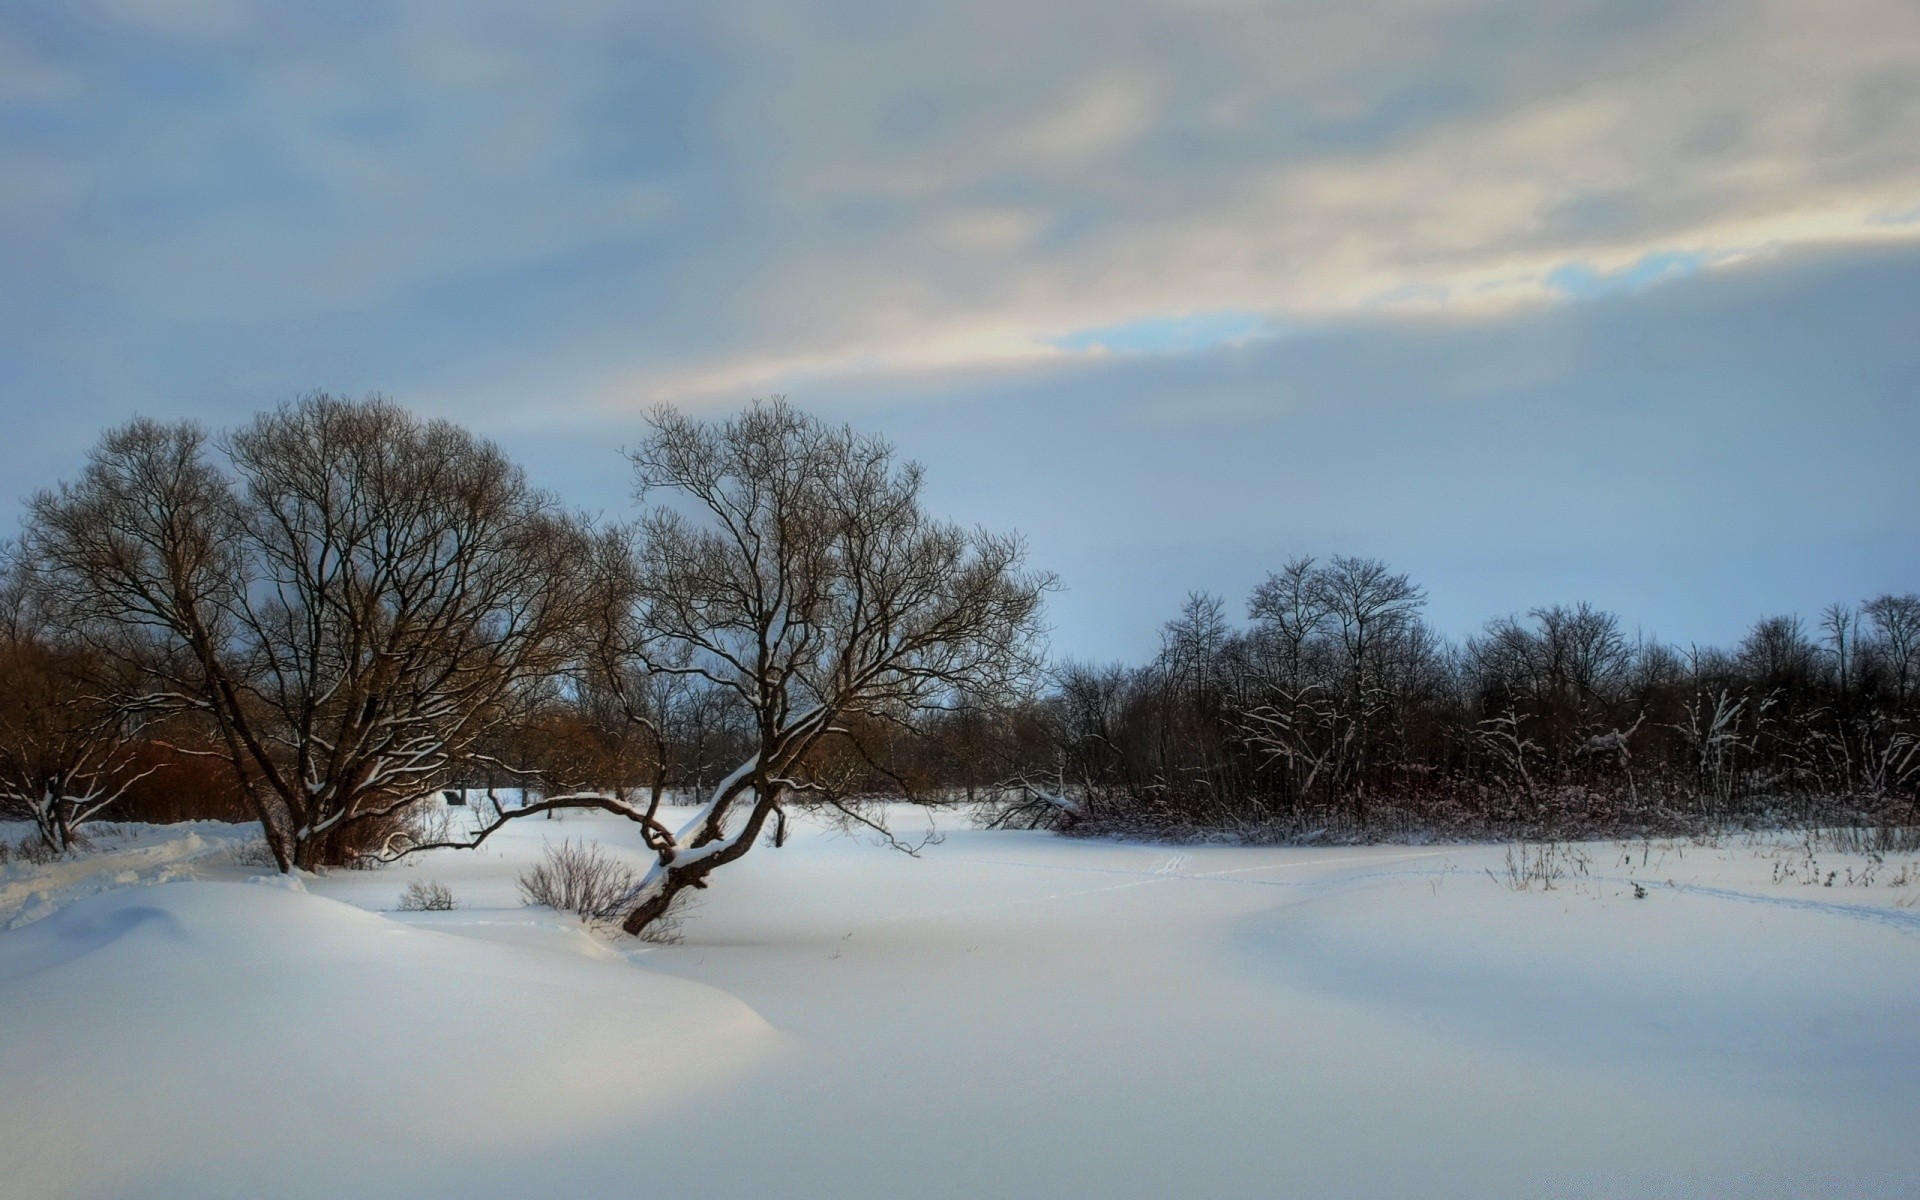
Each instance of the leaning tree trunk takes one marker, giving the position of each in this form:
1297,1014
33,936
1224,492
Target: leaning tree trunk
691,867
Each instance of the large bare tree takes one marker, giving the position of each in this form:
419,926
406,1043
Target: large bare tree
790,564
351,595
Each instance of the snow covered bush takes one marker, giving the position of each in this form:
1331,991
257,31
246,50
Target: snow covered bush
427,896
580,878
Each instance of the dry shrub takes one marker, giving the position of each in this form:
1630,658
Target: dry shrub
1869,837
32,849
581,878
254,852
1542,863
427,896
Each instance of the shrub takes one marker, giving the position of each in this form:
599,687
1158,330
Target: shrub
1878,837
1544,863
580,878
427,896
32,849
253,852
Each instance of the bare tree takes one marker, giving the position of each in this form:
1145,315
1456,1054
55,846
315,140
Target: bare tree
64,752
1586,655
1841,625
1555,677
1369,609
630,705
1338,696
1896,627
1367,605
790,564
1289,609
1778,652
352,602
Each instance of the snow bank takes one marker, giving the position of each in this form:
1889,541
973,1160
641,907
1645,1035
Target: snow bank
1010,1015
122,856
211,1039
1019,1015
1766,987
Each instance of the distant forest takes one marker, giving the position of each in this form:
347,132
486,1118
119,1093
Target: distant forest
1333,710
323,619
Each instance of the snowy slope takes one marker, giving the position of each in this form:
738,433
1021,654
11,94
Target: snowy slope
1010,1015
214,1039
123,856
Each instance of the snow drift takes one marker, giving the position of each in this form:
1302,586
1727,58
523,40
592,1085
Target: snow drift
212,1039
1010,1015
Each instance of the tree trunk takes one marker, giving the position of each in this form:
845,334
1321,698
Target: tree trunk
677,879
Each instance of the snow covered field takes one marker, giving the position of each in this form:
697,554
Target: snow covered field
1010,1015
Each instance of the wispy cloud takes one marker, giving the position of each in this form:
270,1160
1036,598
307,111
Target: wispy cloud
759,193
1169,335
1128,168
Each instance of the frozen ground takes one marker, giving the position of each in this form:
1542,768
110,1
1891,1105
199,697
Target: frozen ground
1010,1015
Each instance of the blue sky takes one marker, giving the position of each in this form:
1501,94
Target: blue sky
1607,300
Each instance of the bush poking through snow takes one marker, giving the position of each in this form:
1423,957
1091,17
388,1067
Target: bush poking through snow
427,896
580,878
34,850
254,852
1887,837
1543,863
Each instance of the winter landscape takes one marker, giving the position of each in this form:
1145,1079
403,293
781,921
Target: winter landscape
830,599
1010,1014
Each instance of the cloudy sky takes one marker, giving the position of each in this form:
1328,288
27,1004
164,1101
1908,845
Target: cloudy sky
1614,300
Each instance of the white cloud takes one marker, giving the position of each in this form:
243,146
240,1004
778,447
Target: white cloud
1105,115
825,187
1171,162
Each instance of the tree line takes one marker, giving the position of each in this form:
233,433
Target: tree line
319,620
1333,708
